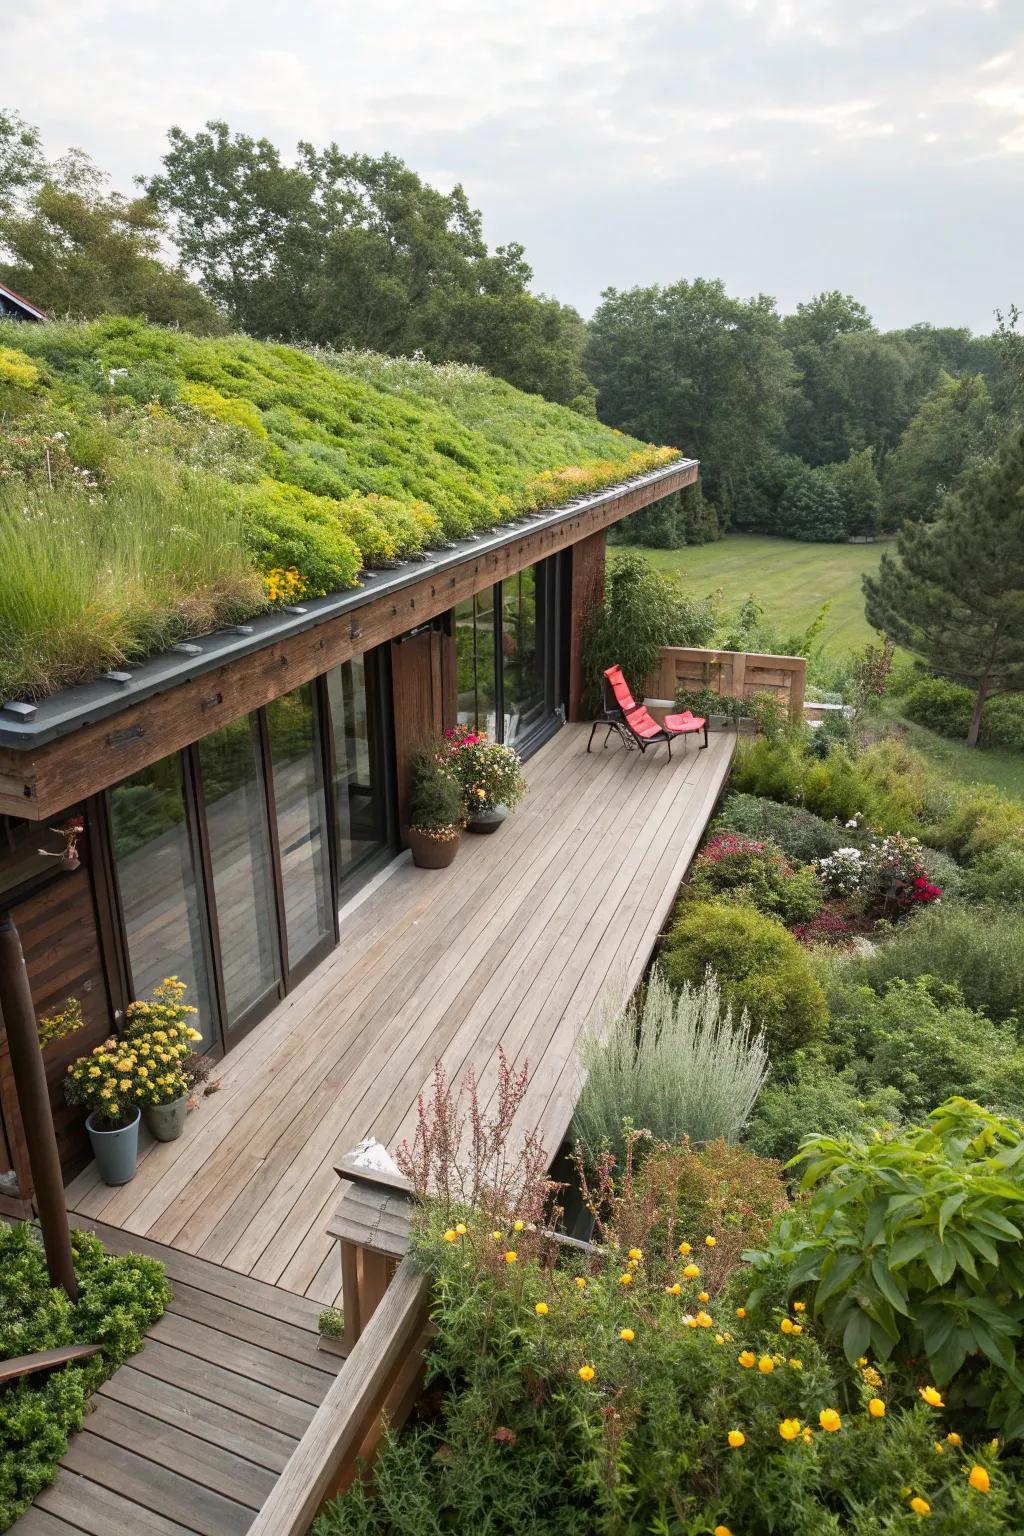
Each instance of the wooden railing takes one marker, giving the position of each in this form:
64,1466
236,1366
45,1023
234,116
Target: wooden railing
740,674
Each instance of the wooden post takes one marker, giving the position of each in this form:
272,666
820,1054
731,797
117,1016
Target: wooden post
586,594
19,1017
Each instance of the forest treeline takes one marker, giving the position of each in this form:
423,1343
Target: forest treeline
814,425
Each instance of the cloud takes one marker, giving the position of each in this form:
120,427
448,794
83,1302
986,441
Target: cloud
565,121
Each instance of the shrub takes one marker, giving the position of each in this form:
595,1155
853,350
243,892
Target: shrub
969,825
817,1098
642,611
757,873
289,527
674,1065
604,1409
1002,722
997,876
920,1039
941,705
802,836
980,949
912,1246
119,1298
758,964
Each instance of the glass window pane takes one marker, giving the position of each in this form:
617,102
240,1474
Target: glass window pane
301,817
522,653
236,822
157,884
475,660
359,784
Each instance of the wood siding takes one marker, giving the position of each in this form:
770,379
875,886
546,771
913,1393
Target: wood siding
586,594
417,693
735,673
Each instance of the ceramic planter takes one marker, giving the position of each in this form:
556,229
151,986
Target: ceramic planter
166,1122
116,1152
488,821
430,852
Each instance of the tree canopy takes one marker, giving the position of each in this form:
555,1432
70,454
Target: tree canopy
955,595
351,250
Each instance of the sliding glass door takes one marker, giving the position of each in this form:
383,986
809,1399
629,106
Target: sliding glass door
508,656
231,858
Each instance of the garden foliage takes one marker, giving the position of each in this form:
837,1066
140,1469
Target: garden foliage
119,1298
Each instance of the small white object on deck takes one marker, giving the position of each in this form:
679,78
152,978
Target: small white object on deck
373,1154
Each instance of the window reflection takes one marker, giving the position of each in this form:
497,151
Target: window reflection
475,660
236,821
357,766
301,815
157,885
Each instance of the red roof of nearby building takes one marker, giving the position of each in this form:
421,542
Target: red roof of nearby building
30,309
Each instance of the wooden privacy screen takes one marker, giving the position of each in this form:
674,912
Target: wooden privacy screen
739,674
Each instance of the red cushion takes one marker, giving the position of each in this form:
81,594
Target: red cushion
684,722
643,723
620,688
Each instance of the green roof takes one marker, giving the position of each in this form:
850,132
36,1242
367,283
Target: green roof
157,485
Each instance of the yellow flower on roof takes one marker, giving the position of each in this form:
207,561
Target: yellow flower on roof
954,1438
541,1309
747,1358
932,1397
627,1335
736,1438
636,1253
626,1278
684,1248
511,1256
586,1373
787,1325
674,1290
829,1420
876,1408
789,1429
920,1506
709,1242
741,1311
518,1226
978,1479
581,1283
766,1365
691,1272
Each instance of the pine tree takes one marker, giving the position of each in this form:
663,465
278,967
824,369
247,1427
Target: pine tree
955,595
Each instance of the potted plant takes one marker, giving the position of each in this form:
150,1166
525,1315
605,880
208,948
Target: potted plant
161,1037
104,1082
436,813
491,776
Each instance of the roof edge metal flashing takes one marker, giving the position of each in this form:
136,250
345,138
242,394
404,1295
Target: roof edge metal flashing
72,708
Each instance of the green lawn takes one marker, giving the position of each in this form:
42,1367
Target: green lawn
790,580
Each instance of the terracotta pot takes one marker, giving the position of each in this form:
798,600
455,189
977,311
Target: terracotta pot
430,852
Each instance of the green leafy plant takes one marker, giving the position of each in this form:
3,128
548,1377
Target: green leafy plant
673,1064
436,801
914,1250
331,1323
813,1096
758,964
59,1025
490,774
118,1300
802,836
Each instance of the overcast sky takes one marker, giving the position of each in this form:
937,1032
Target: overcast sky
787,146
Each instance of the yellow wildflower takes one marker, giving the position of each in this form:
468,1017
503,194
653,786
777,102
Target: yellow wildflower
920,1506
747,1358
737,1438
704,1320
518,1226
829,1420
511,1256
461,1228
787,1325
636,1253
451,1236
796,1365
953,1437
719,1338
876,1408
721,1530
684,1248
626,1279
627,1335
691,1272
709,1242
789,1429
703,1296
586,1373
581,1283
978,1479
799,1306
741,1311
932,1397
541,1309
766,1365
940,1449
497,1236
674,1290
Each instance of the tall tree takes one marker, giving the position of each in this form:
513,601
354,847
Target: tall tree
689,365
953,425
73,247
955,595
357,251
823,318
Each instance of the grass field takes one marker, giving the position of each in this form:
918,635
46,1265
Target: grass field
790,580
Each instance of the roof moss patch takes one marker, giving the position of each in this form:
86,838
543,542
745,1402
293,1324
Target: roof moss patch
155,485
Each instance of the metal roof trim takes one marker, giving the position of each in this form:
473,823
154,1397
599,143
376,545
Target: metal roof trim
73,708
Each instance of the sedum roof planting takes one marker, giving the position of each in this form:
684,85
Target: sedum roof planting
155,485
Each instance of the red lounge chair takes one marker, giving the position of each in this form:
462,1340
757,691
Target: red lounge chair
634,724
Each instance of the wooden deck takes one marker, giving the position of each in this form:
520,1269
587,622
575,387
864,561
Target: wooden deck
516,943
189,1437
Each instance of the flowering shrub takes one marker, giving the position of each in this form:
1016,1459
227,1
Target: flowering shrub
609,1393
894,880
840,873
106,1082
490,774
162,1041
759,873
284,585
833,926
